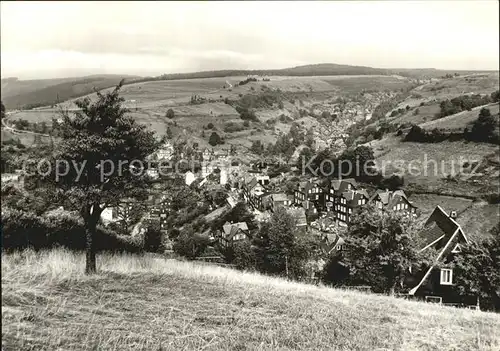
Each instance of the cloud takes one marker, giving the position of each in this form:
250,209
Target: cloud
182,36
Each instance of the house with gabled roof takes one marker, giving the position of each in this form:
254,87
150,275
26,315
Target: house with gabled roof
331,244
436,283
279,199
394,201
233,232
311,192
253,193
343,197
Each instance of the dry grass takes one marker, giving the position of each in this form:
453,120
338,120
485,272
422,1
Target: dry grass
145,303
391,150
426,203
460,120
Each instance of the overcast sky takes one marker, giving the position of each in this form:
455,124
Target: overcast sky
57,39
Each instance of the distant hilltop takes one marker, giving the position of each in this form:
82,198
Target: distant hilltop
19,94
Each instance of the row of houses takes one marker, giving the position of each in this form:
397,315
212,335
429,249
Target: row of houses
440,232
341,197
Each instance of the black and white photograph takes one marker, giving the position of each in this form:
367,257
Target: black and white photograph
250,175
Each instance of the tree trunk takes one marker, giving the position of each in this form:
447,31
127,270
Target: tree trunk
392,290
90,264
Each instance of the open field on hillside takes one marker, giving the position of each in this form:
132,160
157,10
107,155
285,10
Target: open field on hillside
432,162
152,303
460,120
478,220
149,102
175,92
475,217
426,203
425,113
19,94
483,83
25,139
34,116
431,94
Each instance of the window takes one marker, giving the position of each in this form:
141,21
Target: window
433,299
339,247
456,249
446,276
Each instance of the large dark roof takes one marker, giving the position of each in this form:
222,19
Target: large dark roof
342,185
438,225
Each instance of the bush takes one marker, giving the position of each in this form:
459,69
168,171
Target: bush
484,128
153,238
214,139
246,114
248,80
210,126
170,113
21,230
231,127
420,135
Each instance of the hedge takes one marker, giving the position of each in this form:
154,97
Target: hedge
21,230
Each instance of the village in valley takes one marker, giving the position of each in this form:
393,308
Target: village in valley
178,191
198,191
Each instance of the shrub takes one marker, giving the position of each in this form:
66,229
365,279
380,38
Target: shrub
246,114
21,230
210,125
231,127
248,80
170,113
214,139
153,238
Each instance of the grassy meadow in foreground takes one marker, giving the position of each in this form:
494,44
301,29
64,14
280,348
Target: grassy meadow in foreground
148,303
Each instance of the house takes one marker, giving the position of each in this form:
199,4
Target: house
164,153
309,190
344,197
158,211
223,176
189,177
331,244
153,173
337,187
393,200
263,179
233,232
231,201
299,214
436,283
121,211
260,166
280,199
207,154
253,193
